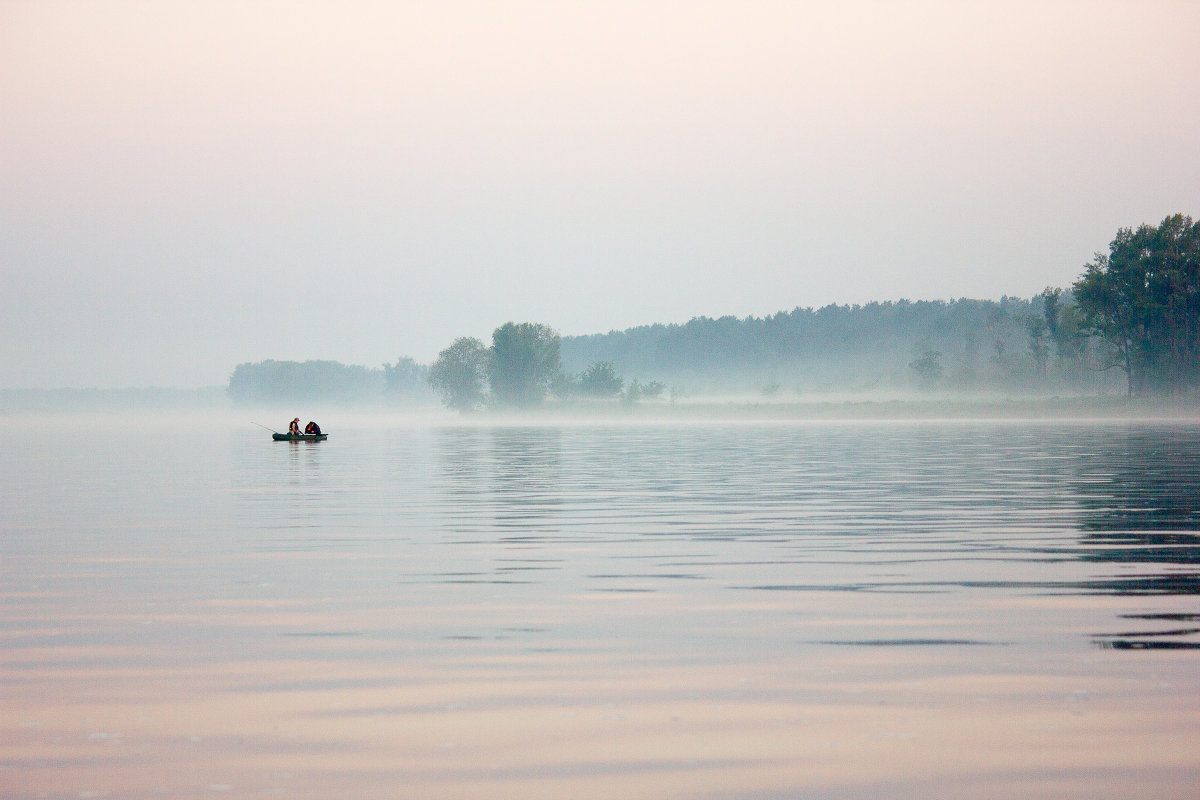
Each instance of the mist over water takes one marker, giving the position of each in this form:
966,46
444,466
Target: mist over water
421,607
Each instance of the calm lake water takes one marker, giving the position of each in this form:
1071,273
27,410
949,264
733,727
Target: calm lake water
683,610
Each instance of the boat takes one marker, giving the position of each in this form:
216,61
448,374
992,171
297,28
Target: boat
299,437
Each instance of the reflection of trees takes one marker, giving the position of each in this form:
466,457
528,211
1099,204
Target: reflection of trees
1141,488
526,474
1139,494
501,490
511,475
1141,505
461,452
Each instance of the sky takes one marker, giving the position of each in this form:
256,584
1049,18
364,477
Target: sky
186,186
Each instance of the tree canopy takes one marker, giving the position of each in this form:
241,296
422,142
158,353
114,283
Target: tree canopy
517,371
460,374
523,363
1143,299
600,380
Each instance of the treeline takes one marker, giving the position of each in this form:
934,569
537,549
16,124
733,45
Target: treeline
1131,322
963,345
271,381
520,369
970,345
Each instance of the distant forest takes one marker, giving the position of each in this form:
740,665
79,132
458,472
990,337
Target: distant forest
1131,322
405,382
960,345
966,345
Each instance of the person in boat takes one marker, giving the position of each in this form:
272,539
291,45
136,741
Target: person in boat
312,427
294,427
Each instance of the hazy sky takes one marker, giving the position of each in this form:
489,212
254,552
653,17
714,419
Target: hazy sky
185,186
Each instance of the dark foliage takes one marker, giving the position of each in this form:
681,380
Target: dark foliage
1143,299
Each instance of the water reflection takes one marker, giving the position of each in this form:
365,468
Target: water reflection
1140,484
1138,493
526,479
514,471
1169,639
303,458
462,458
907,497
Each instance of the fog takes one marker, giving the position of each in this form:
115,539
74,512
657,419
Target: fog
208,414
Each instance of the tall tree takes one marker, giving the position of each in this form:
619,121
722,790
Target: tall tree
1052,310
460,373
1039,342
1143,299
1178,290
523,363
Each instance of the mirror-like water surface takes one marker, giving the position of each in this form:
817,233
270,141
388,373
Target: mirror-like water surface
661,610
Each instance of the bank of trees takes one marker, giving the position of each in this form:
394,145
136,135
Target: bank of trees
1131,322
328,381
1142,298
980,345
520,369
517,371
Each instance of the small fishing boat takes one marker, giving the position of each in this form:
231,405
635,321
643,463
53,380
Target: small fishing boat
299,437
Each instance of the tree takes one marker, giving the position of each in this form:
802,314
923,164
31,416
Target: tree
928,368
653,389
1113,299
633,393
1064,321
1051,305
523,363
1039,342
600,380
460,373
1143,299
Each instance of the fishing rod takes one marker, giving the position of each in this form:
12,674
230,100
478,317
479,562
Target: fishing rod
272,430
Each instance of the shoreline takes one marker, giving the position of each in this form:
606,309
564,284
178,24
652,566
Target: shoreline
1030,408
847,408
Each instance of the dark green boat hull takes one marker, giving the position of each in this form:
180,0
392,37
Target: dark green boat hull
299,437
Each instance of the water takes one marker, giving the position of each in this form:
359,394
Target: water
685,610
